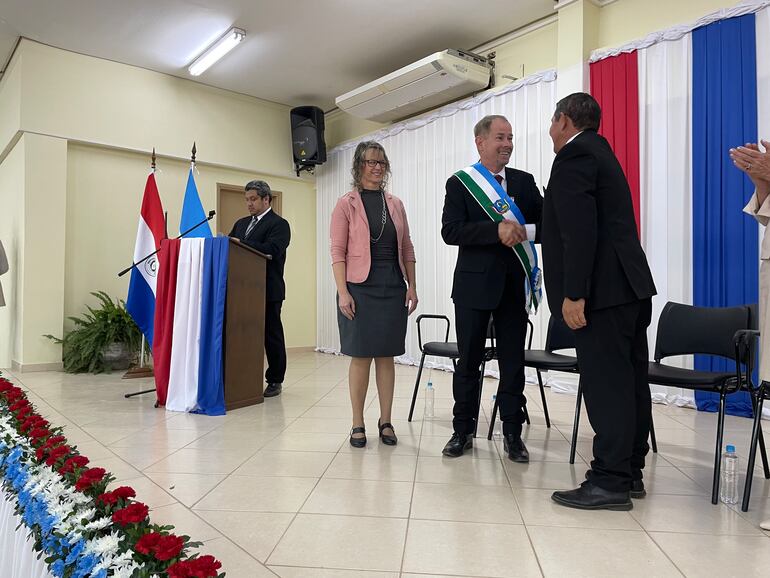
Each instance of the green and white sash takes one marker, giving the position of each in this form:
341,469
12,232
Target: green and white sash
496,203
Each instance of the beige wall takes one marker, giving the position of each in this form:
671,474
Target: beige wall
12,236
627,20
104,197
534,52
10,105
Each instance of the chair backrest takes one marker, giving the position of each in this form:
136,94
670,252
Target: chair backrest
686,329
559,336
753,316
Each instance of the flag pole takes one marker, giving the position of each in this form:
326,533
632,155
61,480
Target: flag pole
141,371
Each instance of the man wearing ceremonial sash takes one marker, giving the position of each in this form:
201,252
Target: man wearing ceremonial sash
493,214
599,282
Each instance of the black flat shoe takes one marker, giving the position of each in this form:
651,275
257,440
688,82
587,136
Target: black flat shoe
591,497
386,439
457,444
358,442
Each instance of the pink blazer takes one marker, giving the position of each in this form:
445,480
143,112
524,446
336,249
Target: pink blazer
350,235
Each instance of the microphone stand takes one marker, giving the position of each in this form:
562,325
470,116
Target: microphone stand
134,265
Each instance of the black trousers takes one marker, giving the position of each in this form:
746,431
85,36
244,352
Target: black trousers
510,324
275,345
613,356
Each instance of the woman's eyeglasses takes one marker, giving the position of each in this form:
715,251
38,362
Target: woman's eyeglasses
373,163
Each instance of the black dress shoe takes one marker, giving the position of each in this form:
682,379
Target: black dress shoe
591,497
515,448
637,488
358,442
273,389
457,444
386,439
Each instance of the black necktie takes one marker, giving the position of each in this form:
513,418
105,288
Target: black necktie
499,179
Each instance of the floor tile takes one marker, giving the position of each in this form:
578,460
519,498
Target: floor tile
287,463
581,552
546,475
258,494
257,533
322,541
185,522
308,442
294,572
698,555
690,514
235,561
462,470
192,461
463,503
360,498
187,488
370,466
469,549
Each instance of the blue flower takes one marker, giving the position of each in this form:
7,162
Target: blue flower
57,568
75,552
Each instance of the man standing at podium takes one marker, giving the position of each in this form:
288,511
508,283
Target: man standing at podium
269,233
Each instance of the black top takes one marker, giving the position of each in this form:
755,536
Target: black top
591,248
271,235
386,247
482,260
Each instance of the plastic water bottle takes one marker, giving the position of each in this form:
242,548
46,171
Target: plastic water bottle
497,431
430,400
728,486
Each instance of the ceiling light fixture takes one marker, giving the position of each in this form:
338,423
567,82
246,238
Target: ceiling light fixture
216,51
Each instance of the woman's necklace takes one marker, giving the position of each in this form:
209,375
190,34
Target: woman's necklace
384,219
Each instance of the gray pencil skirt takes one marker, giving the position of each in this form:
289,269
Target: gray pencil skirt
378,328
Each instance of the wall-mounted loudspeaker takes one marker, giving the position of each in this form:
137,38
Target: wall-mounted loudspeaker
307,137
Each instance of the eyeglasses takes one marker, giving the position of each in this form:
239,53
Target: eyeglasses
372,163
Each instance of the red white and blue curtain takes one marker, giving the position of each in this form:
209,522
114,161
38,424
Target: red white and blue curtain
673,105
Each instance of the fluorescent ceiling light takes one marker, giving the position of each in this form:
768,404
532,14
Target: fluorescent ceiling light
217,51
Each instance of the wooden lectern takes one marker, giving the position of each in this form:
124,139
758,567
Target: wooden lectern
244,330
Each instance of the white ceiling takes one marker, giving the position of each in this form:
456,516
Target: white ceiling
296,52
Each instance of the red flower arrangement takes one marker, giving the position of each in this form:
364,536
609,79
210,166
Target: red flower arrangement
89,478
131,514
202,567
148,539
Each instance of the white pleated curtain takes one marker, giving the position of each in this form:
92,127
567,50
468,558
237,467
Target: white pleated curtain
423,154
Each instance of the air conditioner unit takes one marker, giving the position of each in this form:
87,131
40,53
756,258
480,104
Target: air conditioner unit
430,82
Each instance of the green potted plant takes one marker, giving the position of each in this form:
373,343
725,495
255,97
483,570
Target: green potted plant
103,339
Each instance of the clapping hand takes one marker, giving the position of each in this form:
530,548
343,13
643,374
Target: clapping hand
754,162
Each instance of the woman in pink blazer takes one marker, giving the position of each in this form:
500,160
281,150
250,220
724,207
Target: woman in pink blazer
372,256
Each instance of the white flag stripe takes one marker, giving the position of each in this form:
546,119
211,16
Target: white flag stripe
185,347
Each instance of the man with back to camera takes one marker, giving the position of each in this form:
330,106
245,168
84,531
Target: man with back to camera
493,214
269,233
597,279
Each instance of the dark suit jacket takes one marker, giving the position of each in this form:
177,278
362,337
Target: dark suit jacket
482,261
271,236
591,248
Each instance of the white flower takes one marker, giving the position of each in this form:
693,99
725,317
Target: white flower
98,524
105,546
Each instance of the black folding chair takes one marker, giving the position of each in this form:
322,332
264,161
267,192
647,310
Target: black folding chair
690,330
449,350
747,340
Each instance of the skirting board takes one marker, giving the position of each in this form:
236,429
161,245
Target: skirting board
32,367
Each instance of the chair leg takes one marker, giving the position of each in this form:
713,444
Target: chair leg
492,421
763,453
478,402
576,422
756,432
718,450
653,441
756,401
416,387
542,397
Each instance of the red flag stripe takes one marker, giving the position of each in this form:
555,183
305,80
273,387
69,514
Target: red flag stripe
164,315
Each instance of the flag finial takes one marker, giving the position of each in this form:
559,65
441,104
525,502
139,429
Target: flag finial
152,164
194,150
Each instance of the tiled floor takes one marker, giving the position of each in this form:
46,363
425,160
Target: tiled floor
276,490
